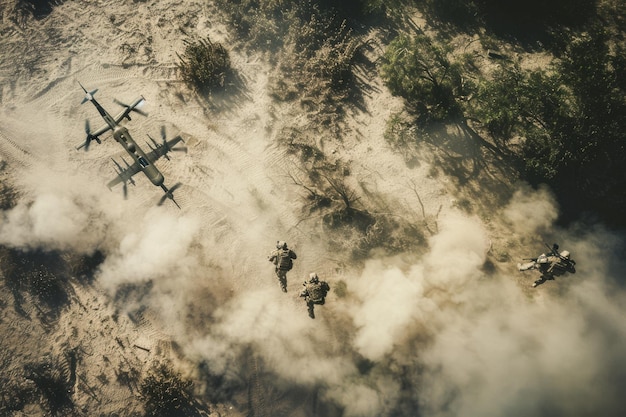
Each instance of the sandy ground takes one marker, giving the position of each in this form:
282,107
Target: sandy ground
194,286
236,193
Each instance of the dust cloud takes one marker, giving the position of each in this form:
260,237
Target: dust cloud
58,212
531,211
455,331
472,342
443,336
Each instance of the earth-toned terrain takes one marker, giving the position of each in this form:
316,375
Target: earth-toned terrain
427,313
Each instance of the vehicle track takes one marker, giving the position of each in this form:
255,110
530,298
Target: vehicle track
14,152
256,398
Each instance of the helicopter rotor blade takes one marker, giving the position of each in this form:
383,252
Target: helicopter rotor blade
88,132
135,109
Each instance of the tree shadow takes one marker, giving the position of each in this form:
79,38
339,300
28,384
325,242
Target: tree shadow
41,8
43,276
41,280
54,385
229,98
482,170
532,24
267,394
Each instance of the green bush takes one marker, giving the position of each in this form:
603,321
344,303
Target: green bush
400,133
419,71
571,119
204,65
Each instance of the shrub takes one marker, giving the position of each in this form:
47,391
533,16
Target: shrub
419,71
400,133
204,65
313,45
318,55
166,394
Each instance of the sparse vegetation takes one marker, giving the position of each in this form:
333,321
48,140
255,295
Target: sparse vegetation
324,48
40,275
167,394
400,133
313,46
8,195
349,226
205,65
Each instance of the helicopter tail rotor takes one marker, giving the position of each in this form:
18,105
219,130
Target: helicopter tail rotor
169,193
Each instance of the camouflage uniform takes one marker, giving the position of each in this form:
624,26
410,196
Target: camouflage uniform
550,265
282,258
314,292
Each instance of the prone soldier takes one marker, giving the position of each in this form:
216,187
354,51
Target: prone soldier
552,264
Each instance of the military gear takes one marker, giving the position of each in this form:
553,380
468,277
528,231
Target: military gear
314,292
282,258
554,249
550,265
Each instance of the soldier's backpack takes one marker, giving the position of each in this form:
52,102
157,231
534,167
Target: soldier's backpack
317,292
284,260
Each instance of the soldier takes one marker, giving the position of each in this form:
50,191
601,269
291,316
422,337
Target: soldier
314,292
282,258
553,264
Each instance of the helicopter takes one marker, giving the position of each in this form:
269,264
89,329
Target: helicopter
142,161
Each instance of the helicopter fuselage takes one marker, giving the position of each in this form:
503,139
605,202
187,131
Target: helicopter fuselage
122,136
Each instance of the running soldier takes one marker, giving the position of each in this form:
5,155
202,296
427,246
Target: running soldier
282,258
314,292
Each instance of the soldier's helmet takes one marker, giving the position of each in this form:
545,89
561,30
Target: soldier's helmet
281,244
565,254
313,277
